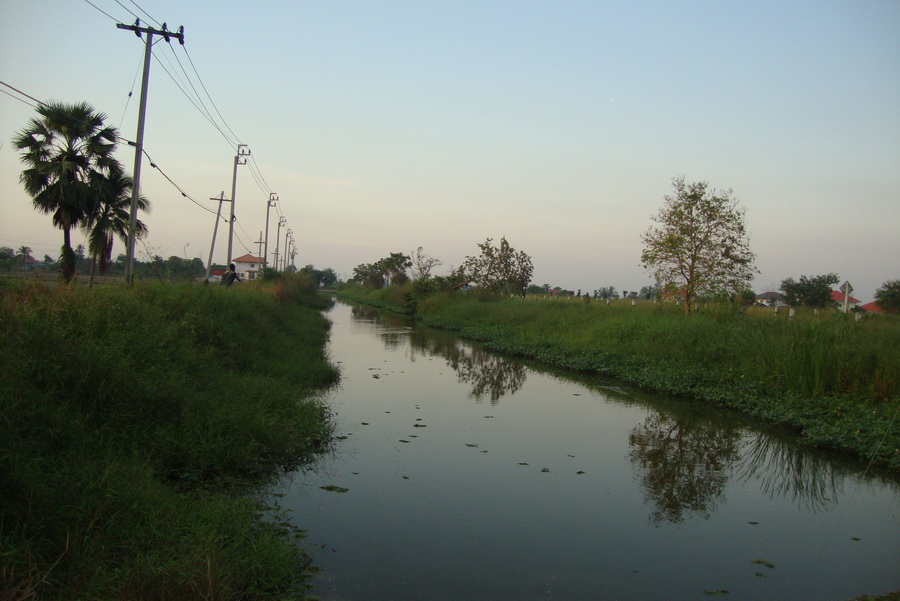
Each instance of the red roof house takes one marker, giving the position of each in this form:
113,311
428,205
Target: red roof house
838,297
872,307
247,266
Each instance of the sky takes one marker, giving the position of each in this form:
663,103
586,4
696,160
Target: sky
384,126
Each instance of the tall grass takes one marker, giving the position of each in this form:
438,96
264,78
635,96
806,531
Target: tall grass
137,422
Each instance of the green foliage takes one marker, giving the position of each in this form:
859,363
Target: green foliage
134,421
500,270
63,149
700,245
809,291
384,272
888,296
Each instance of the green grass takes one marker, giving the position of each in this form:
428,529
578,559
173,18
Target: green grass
834,380
137,424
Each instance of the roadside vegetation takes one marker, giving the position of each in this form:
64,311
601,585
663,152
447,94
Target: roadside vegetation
832,379
138,424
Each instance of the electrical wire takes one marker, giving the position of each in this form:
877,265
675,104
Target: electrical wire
145,12
132,13
202,85
102,11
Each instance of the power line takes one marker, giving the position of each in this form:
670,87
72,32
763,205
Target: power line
103,11
200,79
128,10
18,91
145,12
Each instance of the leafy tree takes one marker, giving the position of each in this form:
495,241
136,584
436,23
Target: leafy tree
809,292
888,296
322,277
387,271
110,215
606,293
700,244
7,257
500,269
61,149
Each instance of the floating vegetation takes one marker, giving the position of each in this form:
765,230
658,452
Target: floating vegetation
545,470
721,591
419,426
760,575
523,463
472,445
401,440
579,472
342,437
376,376
488,417
333,488
855,538
753,523
406,477
763,562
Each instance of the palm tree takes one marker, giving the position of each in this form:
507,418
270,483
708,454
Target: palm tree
62,147
110,214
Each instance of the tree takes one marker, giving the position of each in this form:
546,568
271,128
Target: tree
422,264
110,214
61,149
888,296
385,272
500,269
809,292
700,244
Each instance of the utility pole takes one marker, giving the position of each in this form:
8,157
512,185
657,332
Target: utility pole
273,198
259,245
239,159
212,244
281,223
139,142
287,233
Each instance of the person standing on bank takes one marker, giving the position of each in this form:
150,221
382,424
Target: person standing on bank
230,276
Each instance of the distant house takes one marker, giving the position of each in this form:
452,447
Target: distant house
675,295
838,297
871,307
771,299
247,266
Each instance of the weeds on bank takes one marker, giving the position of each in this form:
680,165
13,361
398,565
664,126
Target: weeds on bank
136,421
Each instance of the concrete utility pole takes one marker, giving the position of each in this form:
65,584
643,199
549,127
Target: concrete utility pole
259,245
287,234
212,244
139,142
281,223
271,203
239,159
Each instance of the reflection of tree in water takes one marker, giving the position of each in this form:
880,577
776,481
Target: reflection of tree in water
684,463
394,328
489,374
784,468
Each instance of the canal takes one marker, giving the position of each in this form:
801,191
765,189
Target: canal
460,474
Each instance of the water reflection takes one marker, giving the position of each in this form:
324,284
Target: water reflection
683,463
784,469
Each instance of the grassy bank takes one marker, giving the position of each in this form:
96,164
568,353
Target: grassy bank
833,380
137,423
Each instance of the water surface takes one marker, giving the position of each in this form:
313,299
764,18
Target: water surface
471,476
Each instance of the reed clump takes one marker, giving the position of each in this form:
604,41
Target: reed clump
136,425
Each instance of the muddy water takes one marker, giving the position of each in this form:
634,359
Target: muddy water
473,476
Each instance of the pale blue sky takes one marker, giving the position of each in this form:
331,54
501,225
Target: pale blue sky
384,126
